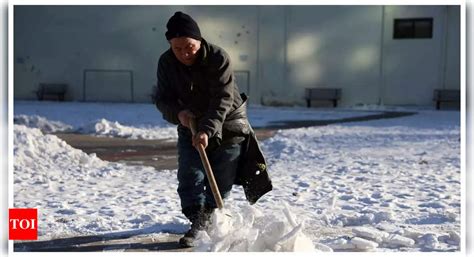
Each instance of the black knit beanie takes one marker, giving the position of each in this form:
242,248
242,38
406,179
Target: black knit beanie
182,25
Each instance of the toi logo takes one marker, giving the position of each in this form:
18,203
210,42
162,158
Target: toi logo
23,224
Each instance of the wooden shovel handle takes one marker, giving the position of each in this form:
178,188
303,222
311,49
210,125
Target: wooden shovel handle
207,167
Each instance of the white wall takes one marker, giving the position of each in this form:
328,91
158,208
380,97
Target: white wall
283,48
413,68
336,47
55,44
271,43
63,41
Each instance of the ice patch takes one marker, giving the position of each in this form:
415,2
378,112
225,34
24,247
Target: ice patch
353,244
429,241
412,233
341,244
395,240
370,233
363,244
251,230
363,219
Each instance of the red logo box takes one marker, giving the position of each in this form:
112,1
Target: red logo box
23,224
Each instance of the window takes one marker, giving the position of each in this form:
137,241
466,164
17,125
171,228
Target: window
413,28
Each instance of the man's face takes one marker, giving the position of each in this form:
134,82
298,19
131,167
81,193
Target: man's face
185,49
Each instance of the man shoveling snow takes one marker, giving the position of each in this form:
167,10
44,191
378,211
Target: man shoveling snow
195,81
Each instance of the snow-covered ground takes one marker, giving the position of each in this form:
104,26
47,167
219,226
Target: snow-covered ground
142,121
382,185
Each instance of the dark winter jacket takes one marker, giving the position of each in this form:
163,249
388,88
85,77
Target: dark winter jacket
252,172
208,89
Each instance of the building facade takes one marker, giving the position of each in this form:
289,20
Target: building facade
392,55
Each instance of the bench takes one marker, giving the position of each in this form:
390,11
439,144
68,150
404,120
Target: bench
322,94
446,95
56,90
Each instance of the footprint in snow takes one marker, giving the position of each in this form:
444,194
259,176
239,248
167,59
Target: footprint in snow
404,196
346,197
368,200
433,205
66,211
303,184
403,206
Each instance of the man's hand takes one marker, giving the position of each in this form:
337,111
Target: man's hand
200,138
184,117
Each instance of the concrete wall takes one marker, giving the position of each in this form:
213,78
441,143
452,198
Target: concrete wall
61,42
272,66
56,44
413,68
453,49
277,50
335,46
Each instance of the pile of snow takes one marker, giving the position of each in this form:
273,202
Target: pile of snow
45,125
100,127
104,127
250,230
57,158
79,194
135,121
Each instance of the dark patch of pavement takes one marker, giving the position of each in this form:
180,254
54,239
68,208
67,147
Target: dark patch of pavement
162,154
289,124
101,243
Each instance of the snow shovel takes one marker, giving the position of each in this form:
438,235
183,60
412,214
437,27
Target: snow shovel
207,167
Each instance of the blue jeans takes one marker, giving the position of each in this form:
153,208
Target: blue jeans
193,186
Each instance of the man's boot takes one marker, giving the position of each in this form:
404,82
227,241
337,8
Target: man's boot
207,215
199,217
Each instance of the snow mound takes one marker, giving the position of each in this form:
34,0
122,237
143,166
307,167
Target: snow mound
398,240
104,127
249,230
370,233
46,157
45,125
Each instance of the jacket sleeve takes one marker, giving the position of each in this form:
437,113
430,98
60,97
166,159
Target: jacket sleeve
166,99
221,83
